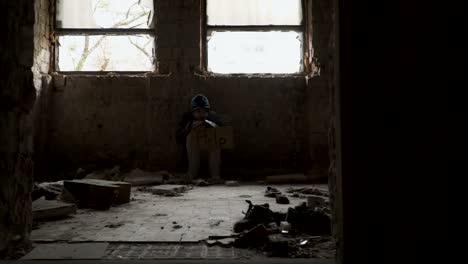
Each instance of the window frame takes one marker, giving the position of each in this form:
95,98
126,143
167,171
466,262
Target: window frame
57,32
303,28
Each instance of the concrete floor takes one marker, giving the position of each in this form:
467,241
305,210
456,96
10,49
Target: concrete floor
145,229
201,212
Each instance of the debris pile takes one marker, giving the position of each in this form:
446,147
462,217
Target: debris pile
291,234
273,192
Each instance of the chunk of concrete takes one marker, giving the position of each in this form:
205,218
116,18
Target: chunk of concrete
124,190
90,193
43,209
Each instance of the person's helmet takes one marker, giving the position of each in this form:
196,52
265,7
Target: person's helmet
200,101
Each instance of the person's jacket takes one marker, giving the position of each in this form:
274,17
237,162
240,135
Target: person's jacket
185,125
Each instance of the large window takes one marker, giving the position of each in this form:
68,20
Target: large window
104,35
254,36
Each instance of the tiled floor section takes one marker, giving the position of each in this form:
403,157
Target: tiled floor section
201,212
177,251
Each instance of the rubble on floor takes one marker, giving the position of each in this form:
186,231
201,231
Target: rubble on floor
254,237
283,235
273,192
49,190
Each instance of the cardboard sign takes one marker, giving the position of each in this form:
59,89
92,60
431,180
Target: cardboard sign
212,138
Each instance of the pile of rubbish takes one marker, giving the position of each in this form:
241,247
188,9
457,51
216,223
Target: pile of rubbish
296,233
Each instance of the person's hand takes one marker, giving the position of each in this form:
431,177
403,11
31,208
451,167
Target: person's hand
197,123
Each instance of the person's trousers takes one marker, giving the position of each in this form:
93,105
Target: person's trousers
194,157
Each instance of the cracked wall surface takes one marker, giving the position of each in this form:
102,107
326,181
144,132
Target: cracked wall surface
280,124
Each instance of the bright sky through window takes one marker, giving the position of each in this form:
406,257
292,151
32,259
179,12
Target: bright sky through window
254,36
84,50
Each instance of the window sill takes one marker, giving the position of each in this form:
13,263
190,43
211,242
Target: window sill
111,74
207,74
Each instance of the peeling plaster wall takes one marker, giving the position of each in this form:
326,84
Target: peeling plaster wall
17,97
280,123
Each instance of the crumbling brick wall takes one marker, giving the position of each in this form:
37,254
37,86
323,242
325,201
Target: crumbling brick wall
279,123
17,95
318,87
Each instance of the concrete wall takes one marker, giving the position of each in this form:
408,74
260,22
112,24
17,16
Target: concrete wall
90,121
17,97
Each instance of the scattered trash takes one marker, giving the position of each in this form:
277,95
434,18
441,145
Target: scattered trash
281,199
273,228
177,227
256,214
285,227
308,220
279,246
255,237
296,233
232,183
174,222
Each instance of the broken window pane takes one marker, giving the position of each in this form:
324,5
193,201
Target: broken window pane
254,12
106,53
105,13
255,52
